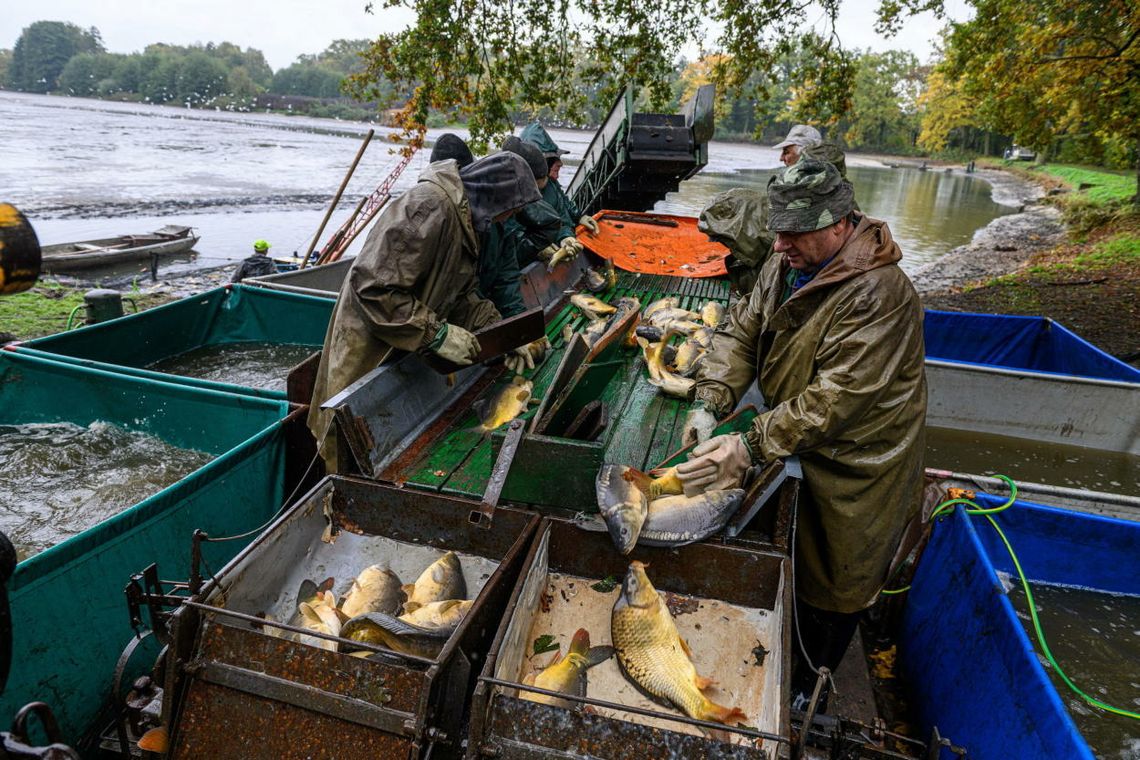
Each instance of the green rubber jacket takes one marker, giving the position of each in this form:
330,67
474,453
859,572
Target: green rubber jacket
417,270
841,367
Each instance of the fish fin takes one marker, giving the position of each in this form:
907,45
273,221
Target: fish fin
480,408
327,584
528,679
685,648
598,655
394,624
640,480
580,644
522,395
155,740
307,591
308,613
729,716
592,523
557,658
343,618
410,607
703,683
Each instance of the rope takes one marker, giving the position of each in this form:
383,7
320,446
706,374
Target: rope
276,514
972,508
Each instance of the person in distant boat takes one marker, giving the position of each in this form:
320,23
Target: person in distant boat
451,146
801,136
832,335
553,193
257,265
414,285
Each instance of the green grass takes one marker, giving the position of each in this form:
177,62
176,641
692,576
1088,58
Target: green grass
1107,187
43,310
1121,249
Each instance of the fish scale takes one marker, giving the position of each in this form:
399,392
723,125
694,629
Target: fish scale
649,648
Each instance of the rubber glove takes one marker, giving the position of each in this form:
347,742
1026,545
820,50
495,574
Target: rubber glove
699,425
547,253
526,357
572,243
718,463
590,223
456,344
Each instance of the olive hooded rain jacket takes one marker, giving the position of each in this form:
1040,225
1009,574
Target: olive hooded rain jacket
840,365
417,270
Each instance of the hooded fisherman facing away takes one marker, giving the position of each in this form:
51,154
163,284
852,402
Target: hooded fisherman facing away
413,287
832,332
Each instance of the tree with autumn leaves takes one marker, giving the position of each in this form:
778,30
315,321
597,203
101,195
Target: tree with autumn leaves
1043,72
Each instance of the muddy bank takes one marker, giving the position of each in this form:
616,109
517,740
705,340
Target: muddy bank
1002,246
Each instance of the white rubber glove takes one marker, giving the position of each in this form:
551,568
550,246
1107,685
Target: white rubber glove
526,357
459,346
547,253
573,244
590,223
699,425
716,464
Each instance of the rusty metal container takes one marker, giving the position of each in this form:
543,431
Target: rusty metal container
733,606
247,693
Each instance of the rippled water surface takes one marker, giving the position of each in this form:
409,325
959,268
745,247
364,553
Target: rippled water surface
83,169
253,364
58,479
1096,639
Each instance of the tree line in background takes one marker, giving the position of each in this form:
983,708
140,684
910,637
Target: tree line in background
1059,76
61,58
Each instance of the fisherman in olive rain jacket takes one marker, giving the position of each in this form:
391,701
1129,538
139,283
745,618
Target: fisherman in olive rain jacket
413,287
832,333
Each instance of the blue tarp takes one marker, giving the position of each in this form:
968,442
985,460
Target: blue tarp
971,666
1035,344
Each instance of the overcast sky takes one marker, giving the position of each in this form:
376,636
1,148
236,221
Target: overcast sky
284,29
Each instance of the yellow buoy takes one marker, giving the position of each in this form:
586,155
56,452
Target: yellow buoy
19,251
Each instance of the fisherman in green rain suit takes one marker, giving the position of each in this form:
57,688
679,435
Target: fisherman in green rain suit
832,334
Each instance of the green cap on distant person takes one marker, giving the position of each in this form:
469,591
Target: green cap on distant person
260,246
808,196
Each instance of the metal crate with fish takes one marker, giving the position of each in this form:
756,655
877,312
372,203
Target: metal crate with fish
363,614
700,663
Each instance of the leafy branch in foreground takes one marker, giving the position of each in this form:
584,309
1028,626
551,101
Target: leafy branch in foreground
486,60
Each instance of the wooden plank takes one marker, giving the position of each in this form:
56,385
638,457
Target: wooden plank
635,424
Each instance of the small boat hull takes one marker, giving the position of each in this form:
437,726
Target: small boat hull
105,252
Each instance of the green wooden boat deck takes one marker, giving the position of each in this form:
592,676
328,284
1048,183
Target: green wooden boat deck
644,425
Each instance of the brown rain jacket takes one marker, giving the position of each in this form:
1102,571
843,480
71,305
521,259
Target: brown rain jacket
415,272
840,364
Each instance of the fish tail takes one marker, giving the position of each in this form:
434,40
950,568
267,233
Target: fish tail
580,644
729,716
640,480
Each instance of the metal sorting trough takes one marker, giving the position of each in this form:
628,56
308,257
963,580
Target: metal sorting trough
739,634
255,695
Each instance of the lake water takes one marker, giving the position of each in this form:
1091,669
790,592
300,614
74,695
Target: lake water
59,479
82,169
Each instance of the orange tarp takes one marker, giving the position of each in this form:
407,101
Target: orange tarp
655,244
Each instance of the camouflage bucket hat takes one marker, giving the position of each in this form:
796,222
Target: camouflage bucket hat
808,196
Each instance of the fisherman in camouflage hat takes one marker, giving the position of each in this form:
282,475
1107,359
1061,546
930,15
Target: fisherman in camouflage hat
832,334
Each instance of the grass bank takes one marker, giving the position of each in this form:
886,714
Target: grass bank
46,309
1090,283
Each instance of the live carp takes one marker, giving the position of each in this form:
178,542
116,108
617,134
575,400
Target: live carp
712,314
676,520
592,307
375,589
623,505
568,674
654,655
320,615
507,404
442,580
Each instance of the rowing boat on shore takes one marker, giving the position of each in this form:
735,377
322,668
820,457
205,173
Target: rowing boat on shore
103,252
